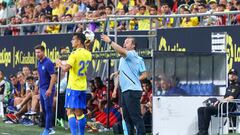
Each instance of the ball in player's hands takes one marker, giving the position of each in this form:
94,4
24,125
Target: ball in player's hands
89,35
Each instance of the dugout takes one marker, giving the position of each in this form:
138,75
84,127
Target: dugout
199,75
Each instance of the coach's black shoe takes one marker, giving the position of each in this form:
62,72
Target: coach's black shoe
202,132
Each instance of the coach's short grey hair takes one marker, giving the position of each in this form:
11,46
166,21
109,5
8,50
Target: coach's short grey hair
133,41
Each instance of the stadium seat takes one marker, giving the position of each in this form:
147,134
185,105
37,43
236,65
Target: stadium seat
197,89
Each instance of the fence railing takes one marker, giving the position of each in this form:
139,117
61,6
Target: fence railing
126,19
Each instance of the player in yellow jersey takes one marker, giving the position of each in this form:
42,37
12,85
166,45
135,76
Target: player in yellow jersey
75,101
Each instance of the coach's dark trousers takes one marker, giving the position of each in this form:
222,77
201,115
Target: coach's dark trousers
132,111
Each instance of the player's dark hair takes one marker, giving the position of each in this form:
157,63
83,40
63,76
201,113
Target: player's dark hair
39,47
81,37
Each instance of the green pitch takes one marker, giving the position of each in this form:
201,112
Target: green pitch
18,129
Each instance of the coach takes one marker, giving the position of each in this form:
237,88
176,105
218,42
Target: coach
131,71
47,79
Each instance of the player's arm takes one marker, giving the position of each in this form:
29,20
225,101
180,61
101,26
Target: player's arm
68,65
51,72
64,67
52,81
122,51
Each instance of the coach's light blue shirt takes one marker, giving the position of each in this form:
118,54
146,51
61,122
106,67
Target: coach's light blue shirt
130,68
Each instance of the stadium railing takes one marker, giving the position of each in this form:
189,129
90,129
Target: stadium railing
128,18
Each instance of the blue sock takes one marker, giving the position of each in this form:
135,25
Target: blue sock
73,124
81,124
125,130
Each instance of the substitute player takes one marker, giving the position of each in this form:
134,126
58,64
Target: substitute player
47,79
75,101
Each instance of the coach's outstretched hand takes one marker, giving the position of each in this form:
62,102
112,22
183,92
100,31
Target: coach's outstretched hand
105,38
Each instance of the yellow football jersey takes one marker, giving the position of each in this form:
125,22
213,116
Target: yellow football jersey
79,61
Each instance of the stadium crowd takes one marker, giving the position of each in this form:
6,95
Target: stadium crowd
39,11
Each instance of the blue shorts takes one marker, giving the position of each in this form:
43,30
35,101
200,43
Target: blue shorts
75,99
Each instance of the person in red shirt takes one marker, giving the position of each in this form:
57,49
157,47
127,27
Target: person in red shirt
101,89
146,95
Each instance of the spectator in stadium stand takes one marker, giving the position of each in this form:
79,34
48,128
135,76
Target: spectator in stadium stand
101,9
238,19
27,30
189,21
71,8
78,16
188,2
170,3
21,7
143,24
37,10
46,9
222,19
53,29
70,27
165,10
108,10
82,5
29,11
14,31
238,5
224,2
194,9
145,2
100,3
93,5
41,19
58,8
205,113
121,25
153,11
133,24
5,12
230,6
207,20
125,5
213,5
